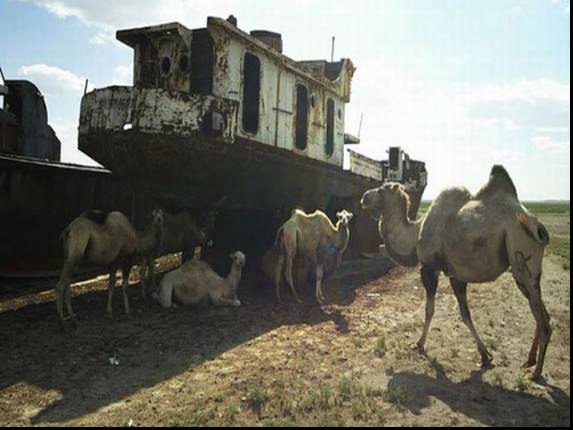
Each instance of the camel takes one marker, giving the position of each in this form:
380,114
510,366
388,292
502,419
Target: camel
195,282
472,239
104,239
181,233
311,238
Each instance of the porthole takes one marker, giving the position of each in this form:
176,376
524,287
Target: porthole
165,65
184,63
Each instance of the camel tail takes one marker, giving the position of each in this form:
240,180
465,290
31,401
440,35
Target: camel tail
75,243
278,238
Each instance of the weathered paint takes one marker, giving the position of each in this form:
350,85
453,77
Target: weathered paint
154,111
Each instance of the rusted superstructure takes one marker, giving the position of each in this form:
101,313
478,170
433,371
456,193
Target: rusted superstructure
219,113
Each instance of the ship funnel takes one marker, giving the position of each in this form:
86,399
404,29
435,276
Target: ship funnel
274,40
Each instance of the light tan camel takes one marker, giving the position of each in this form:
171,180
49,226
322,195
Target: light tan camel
472,239
310,238
104,239
196,283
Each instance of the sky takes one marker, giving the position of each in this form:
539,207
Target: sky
459,84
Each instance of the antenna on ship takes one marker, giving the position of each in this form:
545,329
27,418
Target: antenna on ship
332,51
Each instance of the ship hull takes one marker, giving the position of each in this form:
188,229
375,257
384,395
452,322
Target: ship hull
38,199
257,184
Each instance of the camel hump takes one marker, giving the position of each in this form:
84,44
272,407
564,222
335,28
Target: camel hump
499,182
96,216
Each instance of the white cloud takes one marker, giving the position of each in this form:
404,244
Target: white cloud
564,4
122,75
53,80
556,147
131,13
460,129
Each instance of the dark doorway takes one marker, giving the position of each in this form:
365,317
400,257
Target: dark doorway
301,124
251,92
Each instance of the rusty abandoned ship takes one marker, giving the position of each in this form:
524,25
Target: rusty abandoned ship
220,115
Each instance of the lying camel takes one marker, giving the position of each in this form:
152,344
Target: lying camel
104,239
470,239
313,238
196,283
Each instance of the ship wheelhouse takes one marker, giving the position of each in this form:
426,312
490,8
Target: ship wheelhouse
224,84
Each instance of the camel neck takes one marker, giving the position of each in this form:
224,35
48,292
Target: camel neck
400,236
148,239
234,274
342,236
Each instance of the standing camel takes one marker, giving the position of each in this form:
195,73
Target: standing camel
472,239
310,238
104,239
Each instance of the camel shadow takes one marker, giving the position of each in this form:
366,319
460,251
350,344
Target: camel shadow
490,404
151,346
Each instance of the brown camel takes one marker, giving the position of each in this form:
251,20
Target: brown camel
104,239
310,238
472,239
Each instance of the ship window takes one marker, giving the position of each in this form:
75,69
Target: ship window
184,63
301,124
251,92
165,65
329,127
201,62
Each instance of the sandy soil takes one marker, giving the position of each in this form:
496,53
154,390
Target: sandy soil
346,363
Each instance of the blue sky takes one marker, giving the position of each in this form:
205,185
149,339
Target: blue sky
460,84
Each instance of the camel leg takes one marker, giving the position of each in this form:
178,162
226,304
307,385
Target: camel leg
278,275
532,357
460,290
125,269
290,282
110,289
319,274
68,296
223,301
143,276
543,331
151,272
62,287
430,281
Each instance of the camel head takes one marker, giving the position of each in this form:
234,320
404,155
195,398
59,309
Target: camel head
157,223
388,196
238,258
344,217
157,218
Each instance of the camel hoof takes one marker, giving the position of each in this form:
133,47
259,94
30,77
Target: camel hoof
528,364
419,347
486,362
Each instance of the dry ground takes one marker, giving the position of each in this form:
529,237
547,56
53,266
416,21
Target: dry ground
346,363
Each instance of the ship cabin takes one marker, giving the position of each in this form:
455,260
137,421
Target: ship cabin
226,85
